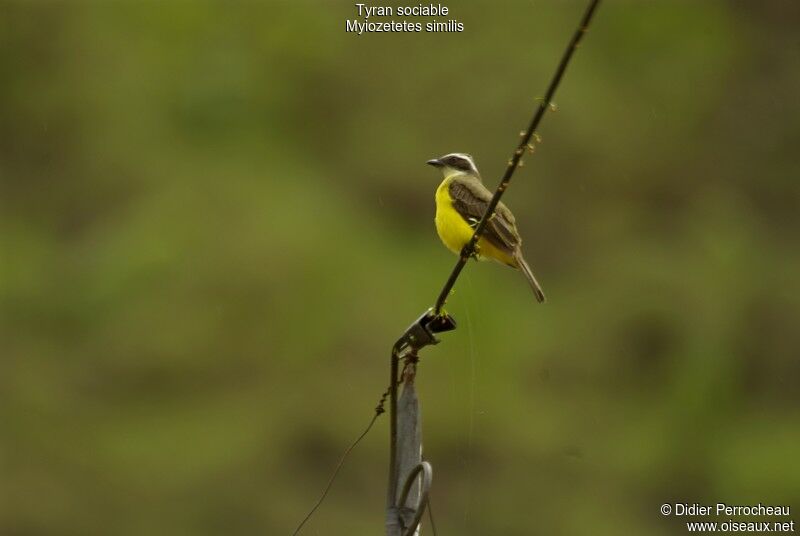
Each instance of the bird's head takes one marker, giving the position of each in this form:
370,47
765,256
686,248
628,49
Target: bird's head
455,163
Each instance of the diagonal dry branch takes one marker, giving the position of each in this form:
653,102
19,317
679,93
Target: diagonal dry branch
544,104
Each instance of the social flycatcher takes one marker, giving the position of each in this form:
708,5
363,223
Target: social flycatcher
461,200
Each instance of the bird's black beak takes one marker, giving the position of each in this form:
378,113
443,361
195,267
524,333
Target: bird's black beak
435,162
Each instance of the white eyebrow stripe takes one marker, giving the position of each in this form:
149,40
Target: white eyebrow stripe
463,157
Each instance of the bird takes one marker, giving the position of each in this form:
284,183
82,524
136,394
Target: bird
461,200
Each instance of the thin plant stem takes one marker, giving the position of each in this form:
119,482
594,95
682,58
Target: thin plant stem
469,249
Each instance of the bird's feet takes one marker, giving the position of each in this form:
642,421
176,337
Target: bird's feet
470,253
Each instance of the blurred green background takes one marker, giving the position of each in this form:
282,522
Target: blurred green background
215,219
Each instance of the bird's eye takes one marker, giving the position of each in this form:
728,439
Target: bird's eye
458,162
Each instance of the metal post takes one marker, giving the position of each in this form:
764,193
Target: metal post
409,477
409,448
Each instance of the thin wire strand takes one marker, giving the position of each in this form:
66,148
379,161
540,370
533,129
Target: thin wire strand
335,473
379,410
469,249
430,516
473,379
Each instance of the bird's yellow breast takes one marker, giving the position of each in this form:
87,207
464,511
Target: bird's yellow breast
452,229
455,232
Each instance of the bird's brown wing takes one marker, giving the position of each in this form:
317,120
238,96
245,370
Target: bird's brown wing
470,199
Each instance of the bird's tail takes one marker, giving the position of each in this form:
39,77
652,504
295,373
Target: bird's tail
525,269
